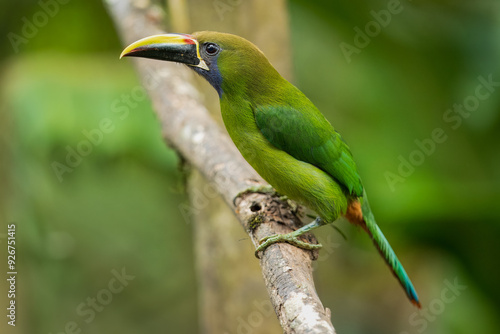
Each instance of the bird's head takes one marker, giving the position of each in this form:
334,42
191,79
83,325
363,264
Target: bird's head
228,62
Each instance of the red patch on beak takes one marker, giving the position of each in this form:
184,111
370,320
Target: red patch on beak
189,39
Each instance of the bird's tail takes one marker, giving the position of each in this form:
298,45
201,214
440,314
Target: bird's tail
359,213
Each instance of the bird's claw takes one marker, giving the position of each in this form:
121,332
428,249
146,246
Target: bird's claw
284,198
262,189
288,238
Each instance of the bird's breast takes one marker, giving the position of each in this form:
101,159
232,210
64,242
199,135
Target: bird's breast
296,179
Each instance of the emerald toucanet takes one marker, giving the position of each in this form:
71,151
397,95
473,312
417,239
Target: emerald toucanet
279,132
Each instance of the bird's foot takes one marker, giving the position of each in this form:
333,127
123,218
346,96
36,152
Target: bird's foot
292,204
291,238
262,189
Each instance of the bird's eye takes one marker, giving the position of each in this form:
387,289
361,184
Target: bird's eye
212,49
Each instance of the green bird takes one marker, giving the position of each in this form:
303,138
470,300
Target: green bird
280,132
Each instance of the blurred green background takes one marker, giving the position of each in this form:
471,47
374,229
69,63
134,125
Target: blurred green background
118,208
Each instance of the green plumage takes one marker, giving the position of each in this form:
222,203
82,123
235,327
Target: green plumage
386,251
279,132
289,142
306,135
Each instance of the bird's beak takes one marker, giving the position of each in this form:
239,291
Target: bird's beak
172,47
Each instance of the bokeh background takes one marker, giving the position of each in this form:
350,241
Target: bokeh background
119,208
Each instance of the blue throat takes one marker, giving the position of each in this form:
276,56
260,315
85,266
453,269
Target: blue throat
213,76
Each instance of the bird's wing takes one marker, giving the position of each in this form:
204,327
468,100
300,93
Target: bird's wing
309,137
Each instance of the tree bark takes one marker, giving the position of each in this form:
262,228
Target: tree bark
232,297
188,127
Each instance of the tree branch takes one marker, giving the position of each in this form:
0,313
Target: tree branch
188,127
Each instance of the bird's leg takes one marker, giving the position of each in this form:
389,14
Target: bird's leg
292,237
262,189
